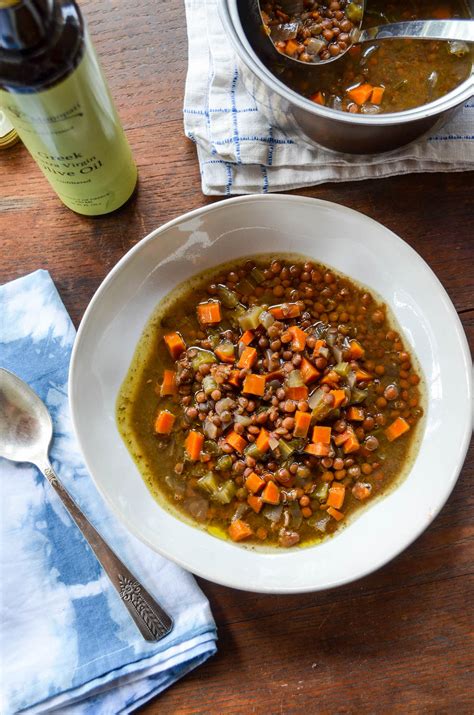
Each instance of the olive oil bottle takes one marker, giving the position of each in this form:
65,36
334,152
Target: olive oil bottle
53,92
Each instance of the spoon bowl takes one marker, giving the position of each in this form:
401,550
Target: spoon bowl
26,428
264,32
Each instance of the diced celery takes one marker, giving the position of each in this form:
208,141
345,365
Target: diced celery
321,492
286,449
209,384
320,409
225,493
354,12
295,379
252,451
227,296
203,357
342,369
245,286
244,420
249,320
357,396
320,412
297,444
224,463
210,447
214,339
236,313
227,348
257,275
266,319
208,483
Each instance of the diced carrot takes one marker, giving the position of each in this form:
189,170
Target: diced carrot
175,344
271,493
317,347
339,397
255,503
318,97
223,355
236,441
322,434
164,422
355,414
297,393
317,449
291,47
254,385
360,94
351,444
263,441
377,95
308,371
337,515
247,337
234,378
298,336
396,429
336,495
193,445
239,530
302,423
285,311
168,386
363,375
209,313
341,438
356,350
248,358
254,483
332,378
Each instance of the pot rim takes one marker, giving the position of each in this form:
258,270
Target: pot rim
230,19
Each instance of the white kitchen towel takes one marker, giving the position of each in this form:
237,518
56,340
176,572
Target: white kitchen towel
239,152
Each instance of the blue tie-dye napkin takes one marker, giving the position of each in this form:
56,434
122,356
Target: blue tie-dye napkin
67,643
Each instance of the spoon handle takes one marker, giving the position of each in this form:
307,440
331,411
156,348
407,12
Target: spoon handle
151,620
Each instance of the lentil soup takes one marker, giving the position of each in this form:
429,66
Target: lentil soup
377,77
269,400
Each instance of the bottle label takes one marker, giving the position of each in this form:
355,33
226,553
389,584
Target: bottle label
73,132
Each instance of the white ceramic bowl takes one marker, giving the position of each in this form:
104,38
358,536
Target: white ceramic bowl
350,242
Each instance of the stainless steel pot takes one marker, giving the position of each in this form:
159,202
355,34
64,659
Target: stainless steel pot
321,126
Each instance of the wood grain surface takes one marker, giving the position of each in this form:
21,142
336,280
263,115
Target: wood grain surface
398,641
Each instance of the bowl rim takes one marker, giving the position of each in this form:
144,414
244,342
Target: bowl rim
248,56
185,564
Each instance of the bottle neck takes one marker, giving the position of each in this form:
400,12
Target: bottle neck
41,41
24,24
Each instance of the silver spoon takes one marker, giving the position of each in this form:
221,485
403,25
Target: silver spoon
26,431
456,29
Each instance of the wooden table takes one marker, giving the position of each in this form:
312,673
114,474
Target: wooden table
397,641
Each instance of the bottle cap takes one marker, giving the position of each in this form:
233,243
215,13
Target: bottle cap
8,135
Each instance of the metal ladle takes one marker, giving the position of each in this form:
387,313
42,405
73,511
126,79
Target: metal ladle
456,29
26,431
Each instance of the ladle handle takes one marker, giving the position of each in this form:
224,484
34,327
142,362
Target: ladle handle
151,620
454,29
